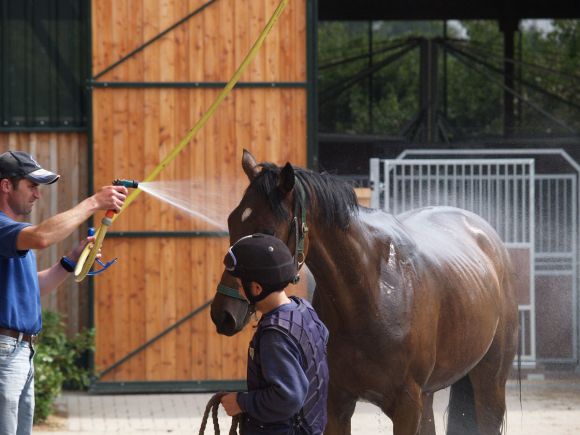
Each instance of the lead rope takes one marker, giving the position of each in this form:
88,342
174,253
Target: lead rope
213,406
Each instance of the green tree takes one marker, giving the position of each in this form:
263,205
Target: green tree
554,61
546,74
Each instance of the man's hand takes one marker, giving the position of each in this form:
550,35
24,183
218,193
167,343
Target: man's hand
230,404
77,251
110,198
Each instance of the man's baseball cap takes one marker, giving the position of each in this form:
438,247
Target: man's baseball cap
21,164
261,258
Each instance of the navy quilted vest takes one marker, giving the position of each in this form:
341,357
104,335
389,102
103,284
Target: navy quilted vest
307,330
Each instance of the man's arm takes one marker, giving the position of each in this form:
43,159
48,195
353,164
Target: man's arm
60,226
51,278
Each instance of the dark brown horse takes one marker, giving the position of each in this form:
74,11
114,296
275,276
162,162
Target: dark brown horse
414,303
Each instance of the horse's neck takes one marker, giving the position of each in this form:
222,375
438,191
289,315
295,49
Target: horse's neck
342,263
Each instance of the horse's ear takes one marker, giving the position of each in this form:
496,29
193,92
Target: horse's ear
286,179
250,165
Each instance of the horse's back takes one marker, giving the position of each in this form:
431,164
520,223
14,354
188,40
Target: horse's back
462,248
460,231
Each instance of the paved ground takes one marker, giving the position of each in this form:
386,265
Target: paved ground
546,408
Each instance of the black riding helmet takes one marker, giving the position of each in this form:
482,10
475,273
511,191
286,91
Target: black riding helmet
261,258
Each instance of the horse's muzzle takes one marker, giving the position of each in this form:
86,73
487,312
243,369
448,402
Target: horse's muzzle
229,315
224,322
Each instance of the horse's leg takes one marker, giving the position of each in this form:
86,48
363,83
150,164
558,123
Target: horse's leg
406,413
490,404
490,375
340,408
488,379
461,411
477,402
427,418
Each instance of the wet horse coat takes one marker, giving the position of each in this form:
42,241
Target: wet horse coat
414,303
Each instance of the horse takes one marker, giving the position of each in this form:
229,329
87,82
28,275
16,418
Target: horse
414,303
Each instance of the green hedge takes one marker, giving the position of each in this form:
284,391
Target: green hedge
58,363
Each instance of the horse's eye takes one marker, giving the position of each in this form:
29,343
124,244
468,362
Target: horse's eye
269,232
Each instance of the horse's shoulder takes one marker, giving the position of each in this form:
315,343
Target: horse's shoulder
385,226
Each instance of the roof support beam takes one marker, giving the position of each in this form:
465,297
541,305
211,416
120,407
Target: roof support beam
508,26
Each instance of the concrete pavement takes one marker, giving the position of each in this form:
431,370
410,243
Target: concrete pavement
160,414
546,408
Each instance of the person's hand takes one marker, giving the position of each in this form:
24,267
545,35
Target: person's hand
230,404
110,198
78,249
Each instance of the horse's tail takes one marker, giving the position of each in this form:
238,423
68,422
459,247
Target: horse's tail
461,418
519,380
508,281
520,374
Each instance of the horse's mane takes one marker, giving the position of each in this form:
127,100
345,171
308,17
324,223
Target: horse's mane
334,199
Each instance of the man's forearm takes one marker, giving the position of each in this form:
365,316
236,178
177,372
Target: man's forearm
55,228
51,278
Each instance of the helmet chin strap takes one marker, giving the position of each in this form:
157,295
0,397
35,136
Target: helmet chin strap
253,299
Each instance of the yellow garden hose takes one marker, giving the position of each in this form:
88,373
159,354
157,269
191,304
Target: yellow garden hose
89,254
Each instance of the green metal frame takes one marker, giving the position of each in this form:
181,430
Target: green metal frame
159,387
45,14
43,129
312,80
180,234
90,163
200,85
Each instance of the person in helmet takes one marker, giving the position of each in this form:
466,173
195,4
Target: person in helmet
287,369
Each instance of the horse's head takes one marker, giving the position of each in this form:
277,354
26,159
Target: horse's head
274,203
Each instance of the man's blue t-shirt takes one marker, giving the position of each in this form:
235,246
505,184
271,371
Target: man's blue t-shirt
19,290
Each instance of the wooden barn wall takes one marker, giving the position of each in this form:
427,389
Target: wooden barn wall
65,153
158,280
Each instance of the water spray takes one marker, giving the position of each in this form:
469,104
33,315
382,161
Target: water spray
89,254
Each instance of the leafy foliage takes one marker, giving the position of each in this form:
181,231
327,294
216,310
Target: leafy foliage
556,57
471,86
57,363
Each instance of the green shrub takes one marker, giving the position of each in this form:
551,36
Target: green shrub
58,362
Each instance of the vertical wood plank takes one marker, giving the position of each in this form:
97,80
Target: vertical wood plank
137,299
136,216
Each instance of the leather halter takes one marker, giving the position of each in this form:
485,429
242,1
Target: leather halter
300,228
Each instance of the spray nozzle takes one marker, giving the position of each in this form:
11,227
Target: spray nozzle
129,184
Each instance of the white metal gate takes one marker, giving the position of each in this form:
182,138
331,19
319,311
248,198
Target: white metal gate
499,190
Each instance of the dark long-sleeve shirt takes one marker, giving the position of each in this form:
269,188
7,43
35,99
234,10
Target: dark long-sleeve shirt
287,384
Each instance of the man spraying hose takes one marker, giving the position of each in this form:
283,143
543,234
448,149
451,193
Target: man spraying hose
22,285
